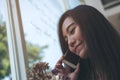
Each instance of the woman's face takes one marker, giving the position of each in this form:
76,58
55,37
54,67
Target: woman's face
73,36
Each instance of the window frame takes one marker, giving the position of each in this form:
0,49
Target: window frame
16,41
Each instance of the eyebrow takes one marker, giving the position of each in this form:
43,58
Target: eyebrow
69,26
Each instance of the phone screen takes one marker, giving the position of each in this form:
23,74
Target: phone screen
71,59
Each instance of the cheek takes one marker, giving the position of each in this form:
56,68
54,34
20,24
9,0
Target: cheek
84,53
71,49
78,35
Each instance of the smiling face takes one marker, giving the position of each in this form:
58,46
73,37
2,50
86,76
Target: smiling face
73,36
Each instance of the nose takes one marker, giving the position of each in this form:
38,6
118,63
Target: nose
71,42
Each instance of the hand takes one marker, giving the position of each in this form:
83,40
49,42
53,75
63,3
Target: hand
60,68
64,72
74,75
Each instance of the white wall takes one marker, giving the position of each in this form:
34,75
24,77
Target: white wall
97,4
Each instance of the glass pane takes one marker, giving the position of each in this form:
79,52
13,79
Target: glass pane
40,28
73,3
110,3
5,72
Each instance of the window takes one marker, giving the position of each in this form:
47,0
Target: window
32,33
15,37
110,3
40,29
40,20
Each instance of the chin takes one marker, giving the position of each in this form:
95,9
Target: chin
82,56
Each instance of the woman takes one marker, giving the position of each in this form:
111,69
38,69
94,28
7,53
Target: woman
86,32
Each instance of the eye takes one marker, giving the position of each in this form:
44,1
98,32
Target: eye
72,31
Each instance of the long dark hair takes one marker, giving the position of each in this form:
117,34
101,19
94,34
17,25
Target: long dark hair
102,39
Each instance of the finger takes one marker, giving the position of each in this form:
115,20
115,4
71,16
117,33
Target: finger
54,71
59,62
60,66
61,59
60,70
77,68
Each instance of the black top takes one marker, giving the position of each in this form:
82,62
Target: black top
84,73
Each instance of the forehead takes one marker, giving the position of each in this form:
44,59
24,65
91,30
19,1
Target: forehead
66,23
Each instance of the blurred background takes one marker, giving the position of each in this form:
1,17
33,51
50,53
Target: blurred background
39,21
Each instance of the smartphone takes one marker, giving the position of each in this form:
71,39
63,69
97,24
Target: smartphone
71,59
